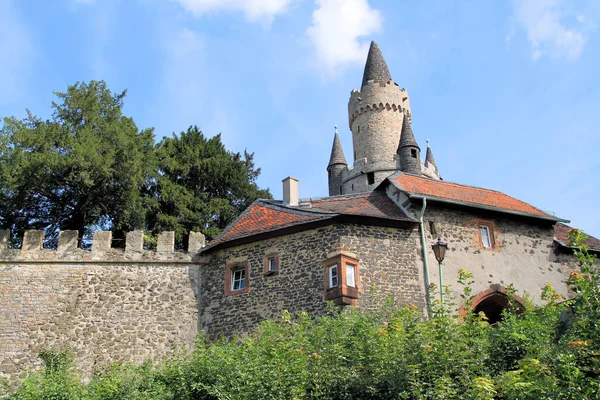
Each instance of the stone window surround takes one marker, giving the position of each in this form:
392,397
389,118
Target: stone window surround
491,229
271,255
342,294
233,266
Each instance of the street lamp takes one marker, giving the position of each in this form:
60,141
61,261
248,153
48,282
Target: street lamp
439,249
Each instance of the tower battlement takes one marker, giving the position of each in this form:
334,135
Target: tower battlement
102,251
376,96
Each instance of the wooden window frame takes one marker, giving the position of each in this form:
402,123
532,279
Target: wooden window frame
268,257
342,294
490,227
236,266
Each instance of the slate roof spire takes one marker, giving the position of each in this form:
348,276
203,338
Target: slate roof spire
429,157
408,151
337,153
407,138
375,68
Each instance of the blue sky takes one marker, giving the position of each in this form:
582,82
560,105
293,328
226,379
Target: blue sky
508,92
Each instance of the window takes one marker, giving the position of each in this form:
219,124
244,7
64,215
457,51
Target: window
271,263
350,281
333,276
341,191
341,278
413,153
237,278
486,234
358,129
371,178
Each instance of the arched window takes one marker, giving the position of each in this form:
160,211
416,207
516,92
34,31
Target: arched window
493,301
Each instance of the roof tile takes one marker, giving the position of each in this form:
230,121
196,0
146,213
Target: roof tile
466,194
561,232
269,215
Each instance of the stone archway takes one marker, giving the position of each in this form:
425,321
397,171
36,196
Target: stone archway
493,301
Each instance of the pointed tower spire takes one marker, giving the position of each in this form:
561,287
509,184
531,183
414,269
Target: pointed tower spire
429,157
407,138
408,150
337,153
375,68
337,167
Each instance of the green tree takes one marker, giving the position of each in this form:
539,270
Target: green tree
201,186
87,165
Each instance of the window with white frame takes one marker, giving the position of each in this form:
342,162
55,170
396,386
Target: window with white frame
238,279
486,236
333,276
350,280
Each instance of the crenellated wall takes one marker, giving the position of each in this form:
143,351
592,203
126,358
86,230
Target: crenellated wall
105,305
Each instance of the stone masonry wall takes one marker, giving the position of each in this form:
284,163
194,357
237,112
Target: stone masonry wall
388,263
105,305
524,254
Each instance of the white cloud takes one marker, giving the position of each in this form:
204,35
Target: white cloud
16,57
336,28
254,10
543,20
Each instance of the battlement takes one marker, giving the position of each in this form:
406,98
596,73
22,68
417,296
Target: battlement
377,97
32,249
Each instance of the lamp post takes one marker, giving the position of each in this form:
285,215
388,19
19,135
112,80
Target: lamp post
439,249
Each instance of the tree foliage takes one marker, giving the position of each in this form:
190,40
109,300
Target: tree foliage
86,165
390,353
201,186
89,166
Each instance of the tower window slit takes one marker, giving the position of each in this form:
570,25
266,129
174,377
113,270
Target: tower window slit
371,178
413,153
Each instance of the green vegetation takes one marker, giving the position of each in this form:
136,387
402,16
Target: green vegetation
388,354
200,186
90,167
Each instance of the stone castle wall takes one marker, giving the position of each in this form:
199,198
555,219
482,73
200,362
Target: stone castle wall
388,264
524,253
105,305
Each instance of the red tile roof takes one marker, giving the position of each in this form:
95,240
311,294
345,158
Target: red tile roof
259,218
269,215
465,194
372,204
561,233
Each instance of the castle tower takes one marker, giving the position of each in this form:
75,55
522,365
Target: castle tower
375,116
337,166
409,152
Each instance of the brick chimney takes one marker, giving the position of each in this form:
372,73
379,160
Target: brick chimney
290,191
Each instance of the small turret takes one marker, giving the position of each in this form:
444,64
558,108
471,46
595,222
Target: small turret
408,150
429,161
429,168
336,167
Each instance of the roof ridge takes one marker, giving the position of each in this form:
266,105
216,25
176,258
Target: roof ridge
362,194
295,209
